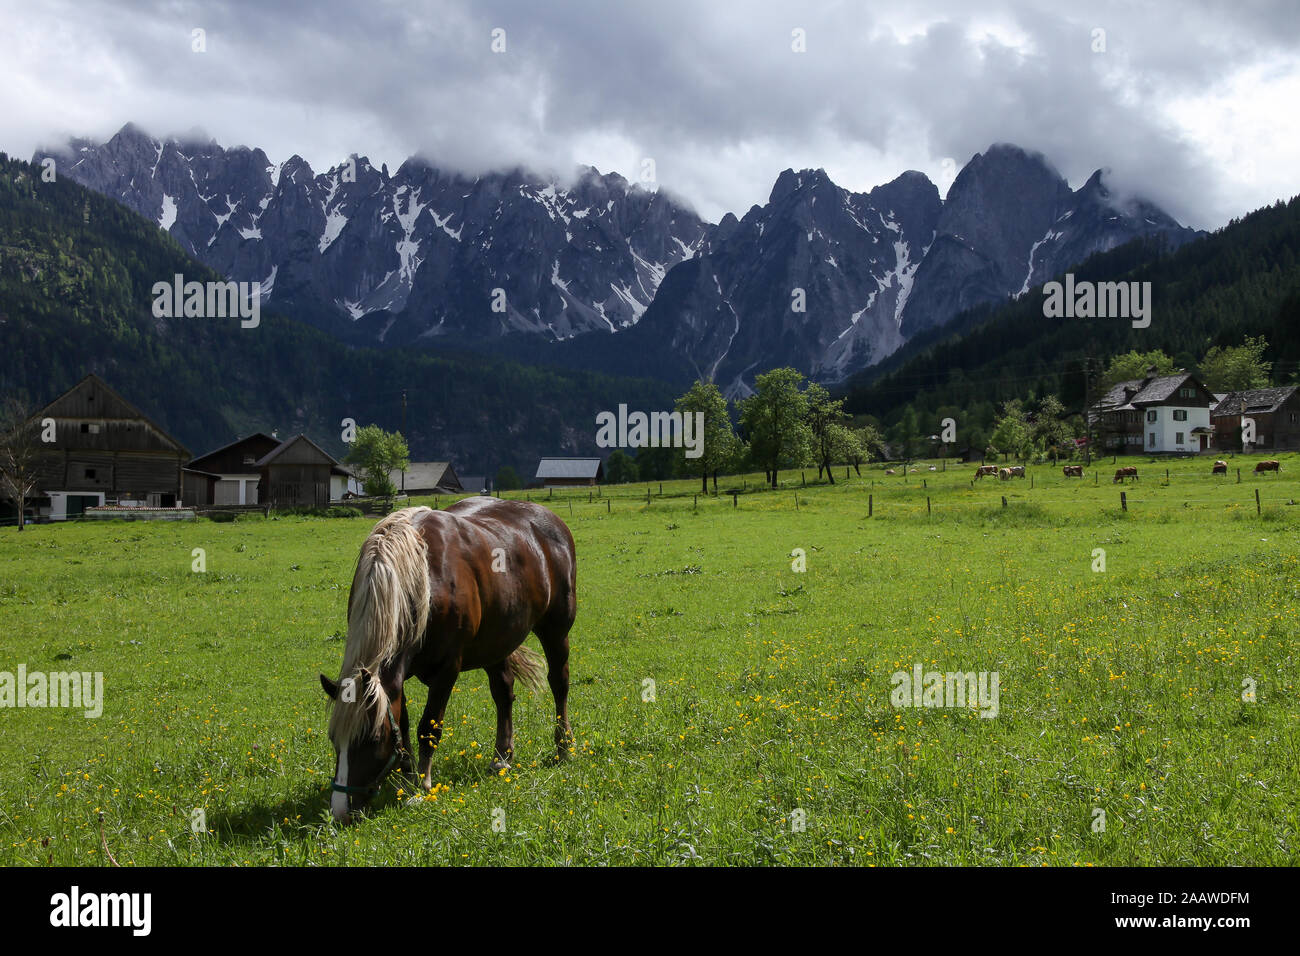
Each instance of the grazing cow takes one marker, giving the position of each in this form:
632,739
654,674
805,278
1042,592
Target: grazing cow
1128,471
889,471
1271,465
1220,468
1004,474
1073,471
1017,471
983,470
933,468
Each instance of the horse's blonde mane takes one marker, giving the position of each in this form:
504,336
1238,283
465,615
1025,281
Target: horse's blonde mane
388,611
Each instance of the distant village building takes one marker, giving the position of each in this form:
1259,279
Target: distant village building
1159,414
570,472
298,473
1274,411
427,478
104,451
234,468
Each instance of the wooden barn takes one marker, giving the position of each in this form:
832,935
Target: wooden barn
104,451
228,475
298,473
1275,412
427,478
570,472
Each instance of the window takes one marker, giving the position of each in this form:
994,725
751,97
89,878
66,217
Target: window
1151,440
1180,414
85,428
1178,438
1151,416
90,472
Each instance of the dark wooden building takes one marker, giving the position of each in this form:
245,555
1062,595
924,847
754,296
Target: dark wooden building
1275,412
570,472
235,469
296,474
104,451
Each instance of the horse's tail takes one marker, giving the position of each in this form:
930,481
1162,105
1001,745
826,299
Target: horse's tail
388,608
529,667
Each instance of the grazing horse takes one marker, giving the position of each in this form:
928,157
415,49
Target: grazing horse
983,470
1128,471
1073,471
436,593
1220,468
1270,465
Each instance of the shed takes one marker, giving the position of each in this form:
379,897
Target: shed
427,478
296,474
570,472
235,466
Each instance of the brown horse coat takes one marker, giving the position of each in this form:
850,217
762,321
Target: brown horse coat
439,592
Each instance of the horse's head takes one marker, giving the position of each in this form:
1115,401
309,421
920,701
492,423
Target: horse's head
366,732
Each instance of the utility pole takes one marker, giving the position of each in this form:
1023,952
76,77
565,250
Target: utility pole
404,438
1087,410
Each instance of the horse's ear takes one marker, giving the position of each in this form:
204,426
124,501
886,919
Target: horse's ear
331,688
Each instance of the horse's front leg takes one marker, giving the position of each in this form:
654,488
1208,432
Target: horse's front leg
429,732
404,763
501,682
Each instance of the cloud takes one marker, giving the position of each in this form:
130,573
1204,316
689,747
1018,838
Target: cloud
1190,104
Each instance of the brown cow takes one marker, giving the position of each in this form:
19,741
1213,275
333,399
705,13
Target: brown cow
1004,474
1017,471
889,471
1128,471
1270,465
983,470
1220,468
1073,471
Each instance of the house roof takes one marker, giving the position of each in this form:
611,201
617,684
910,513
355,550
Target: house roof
238,441
290,442
1135,393
103,386
428,474
568,468
1255,400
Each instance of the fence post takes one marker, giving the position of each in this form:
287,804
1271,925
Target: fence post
1123,501
733,499
923,483
796,500
1031,480
802,479
606,506
871,505
1257,511
1004,501
927,505
1238,476
696,502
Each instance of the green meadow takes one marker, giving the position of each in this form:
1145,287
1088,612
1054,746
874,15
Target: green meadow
728,708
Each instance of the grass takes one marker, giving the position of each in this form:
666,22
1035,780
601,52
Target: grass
1121,691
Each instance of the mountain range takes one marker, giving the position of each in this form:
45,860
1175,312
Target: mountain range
595,272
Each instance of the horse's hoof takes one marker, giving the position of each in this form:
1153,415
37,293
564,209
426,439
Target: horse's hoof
426,783
498,765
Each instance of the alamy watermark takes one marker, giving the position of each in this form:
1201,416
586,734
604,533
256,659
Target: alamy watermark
1098,300
953,689
70,689
653,430
208,300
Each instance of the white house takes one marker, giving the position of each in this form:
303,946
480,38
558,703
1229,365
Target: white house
1165,414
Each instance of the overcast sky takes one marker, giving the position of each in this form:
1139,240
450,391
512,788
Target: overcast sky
1195,105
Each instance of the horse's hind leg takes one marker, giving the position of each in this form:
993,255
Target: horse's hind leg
501,682
429,732
554,638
